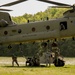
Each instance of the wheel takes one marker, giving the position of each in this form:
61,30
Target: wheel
59,63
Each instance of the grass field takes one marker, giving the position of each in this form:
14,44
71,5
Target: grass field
7,69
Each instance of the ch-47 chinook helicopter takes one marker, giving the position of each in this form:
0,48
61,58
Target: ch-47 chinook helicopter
33,31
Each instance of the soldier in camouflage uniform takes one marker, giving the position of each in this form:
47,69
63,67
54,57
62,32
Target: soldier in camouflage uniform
14,59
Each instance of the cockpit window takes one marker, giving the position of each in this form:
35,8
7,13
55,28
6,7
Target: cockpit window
70,11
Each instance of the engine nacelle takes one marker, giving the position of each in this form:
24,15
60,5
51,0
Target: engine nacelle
3,23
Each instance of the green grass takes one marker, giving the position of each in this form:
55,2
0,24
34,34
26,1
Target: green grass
7,69
66,70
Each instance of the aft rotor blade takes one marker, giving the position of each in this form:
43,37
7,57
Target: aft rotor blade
56,3
13,3
60,6
5,10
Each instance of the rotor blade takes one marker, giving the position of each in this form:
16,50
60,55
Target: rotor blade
60,6
13,3
56,3
5,10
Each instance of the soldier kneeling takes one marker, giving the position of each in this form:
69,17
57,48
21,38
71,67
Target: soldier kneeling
32,61
29,62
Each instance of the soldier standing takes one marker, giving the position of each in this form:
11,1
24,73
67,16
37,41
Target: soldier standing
14,59
47,58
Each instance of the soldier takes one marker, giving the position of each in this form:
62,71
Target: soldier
47,58
38,59
29,61
14,59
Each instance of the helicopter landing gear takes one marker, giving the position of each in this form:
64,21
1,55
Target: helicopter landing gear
59,63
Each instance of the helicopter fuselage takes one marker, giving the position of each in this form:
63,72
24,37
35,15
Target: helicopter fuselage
33,31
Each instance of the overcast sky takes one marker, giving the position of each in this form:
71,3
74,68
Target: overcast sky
30,6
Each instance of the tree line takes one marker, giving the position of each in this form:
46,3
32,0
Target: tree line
51,13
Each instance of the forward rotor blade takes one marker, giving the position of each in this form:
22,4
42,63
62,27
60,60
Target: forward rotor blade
5,10
56,3
13,3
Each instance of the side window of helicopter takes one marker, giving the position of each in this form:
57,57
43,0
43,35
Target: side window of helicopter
63,25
